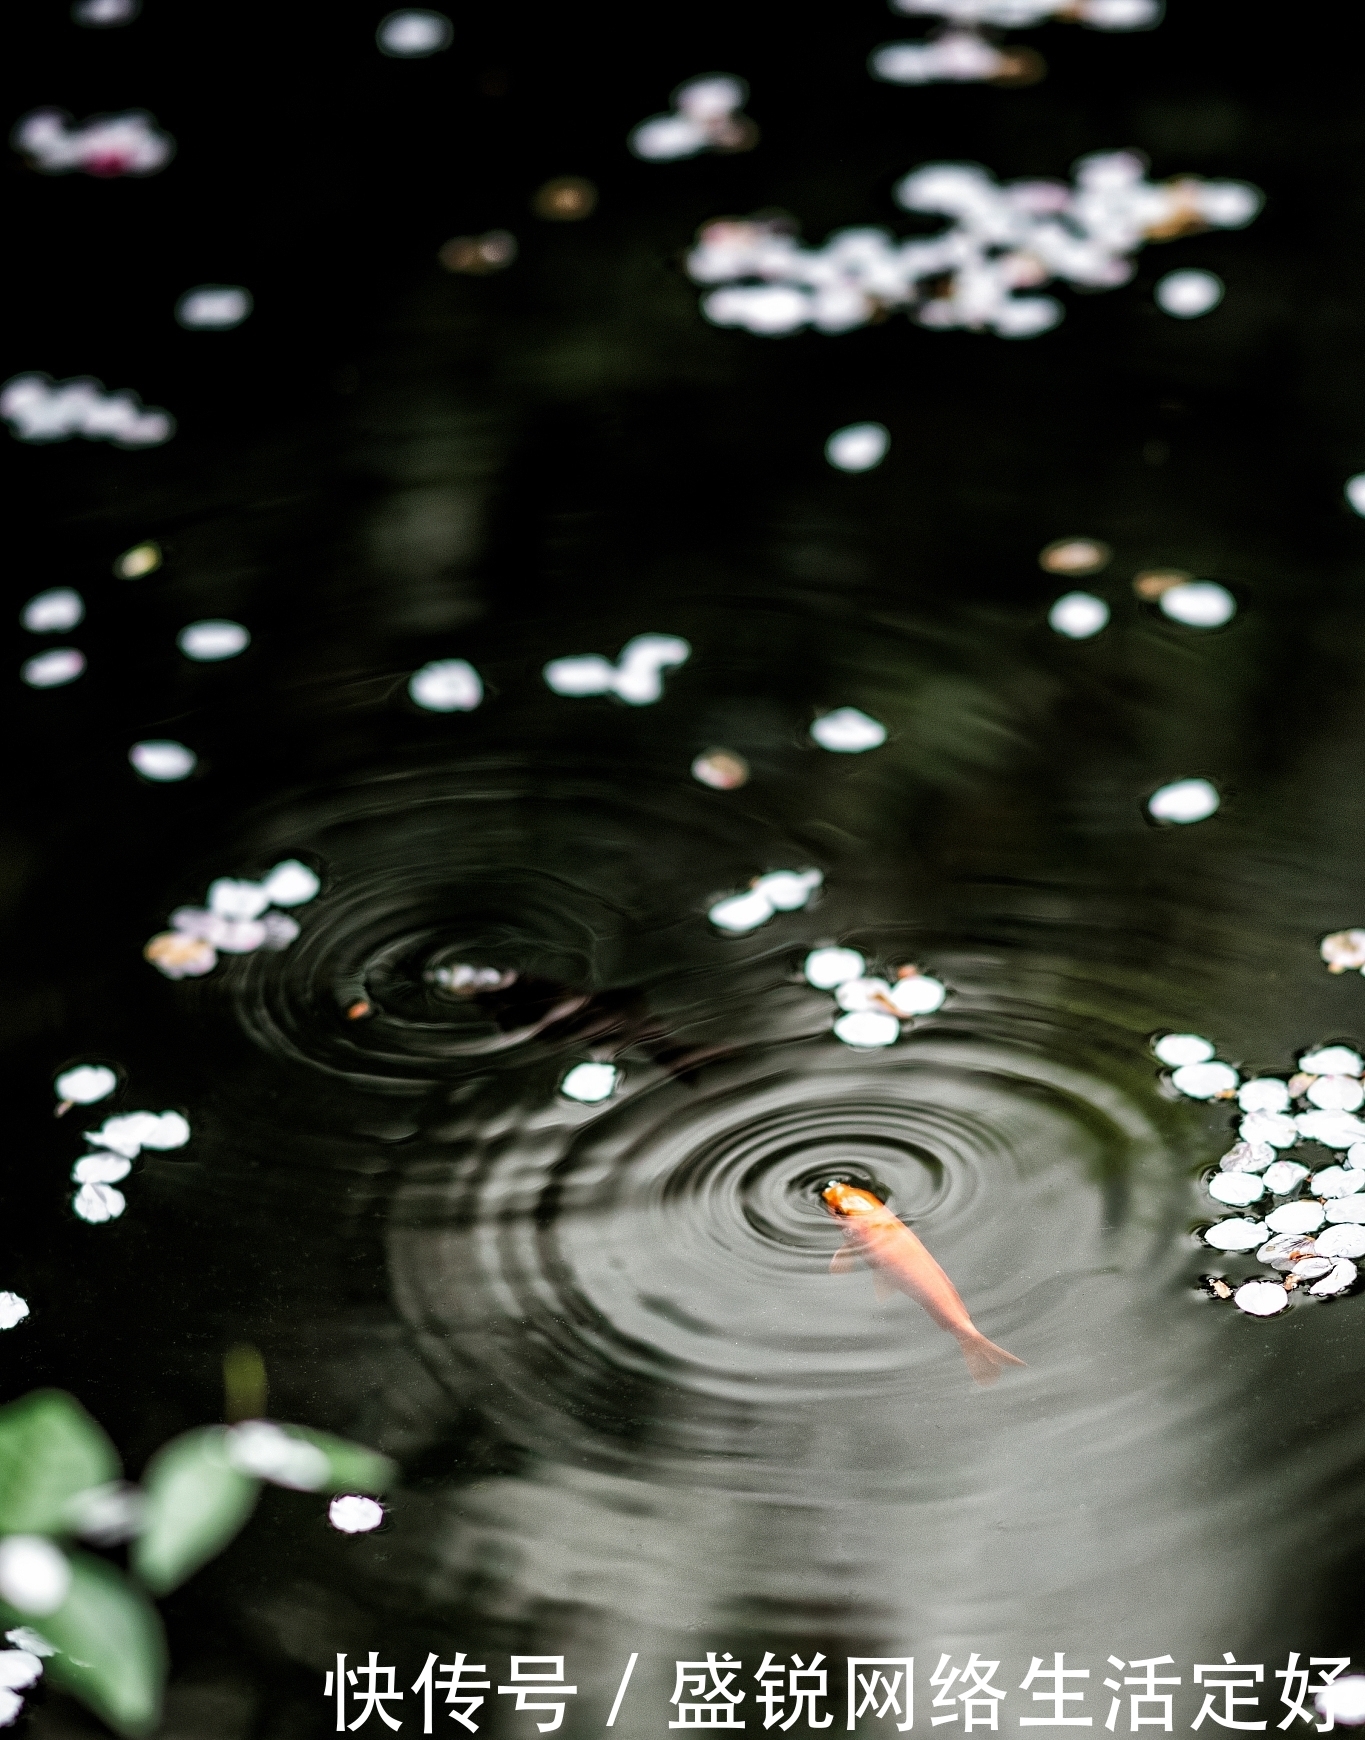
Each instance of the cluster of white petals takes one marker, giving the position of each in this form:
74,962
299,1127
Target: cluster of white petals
962,53
1002,243
636,677
112,1150
705,117
1309,1220
778,891
39,409
19,1669
239,919
105,145
874,1010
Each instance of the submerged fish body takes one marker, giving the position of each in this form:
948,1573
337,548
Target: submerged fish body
873,1235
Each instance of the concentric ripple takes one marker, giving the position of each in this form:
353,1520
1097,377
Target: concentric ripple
656,1273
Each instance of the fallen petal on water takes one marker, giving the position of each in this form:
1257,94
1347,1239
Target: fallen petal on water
53,612
1284,1176
859,447
97,1203
1237,1189
162,759
1342,1276
1198,604
867,1030
446,686
1204,1081
1266,1094
1184,801
141,559
13,1311
90,1082
863,994
179,956
848,731
826,968
413,35
353,1514
213,639
1343,1209
916,993
1272,1128
1075,556
1332,1060
721,769
1078,615
590,1083
1336,1093
1342,1241
1179,1048
741,912
1297,1217
291,883
1188,293
1337,1181
50,670
1247,1157
1235,1235
101,1169
1260,1298
1343,950
1332,1129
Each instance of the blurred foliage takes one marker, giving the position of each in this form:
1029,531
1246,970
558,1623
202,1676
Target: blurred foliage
110,1650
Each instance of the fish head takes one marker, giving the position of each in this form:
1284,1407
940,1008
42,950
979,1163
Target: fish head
847,1200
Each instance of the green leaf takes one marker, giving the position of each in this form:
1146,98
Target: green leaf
50,1449
196,1503
350,1467
112,1651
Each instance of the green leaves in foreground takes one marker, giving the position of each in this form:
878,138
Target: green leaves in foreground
198,1490
50,1450
111,1650
202,1487
196,1502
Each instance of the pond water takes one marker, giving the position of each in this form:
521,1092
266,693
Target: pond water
634,1411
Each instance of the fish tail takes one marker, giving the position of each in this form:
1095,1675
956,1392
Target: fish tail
985,1361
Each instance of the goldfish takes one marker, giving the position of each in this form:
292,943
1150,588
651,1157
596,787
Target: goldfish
873,1235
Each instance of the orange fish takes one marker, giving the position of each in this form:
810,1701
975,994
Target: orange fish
873,1235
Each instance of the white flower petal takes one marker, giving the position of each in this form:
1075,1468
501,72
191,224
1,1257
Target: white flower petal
1204,1081
1235,1235
85,1084
1260,1298
1181,1048
590,1083
353,1514
828,967
34,1575
848,731
867,1030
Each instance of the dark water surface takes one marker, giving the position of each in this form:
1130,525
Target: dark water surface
633,1410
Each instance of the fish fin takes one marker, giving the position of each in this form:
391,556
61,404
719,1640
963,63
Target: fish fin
844,1261
985,1361
885,1289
